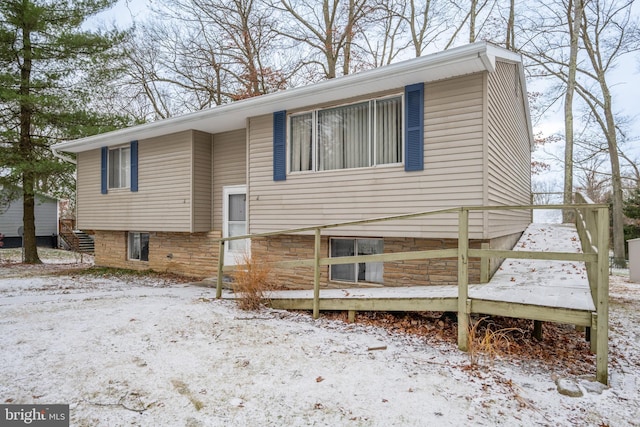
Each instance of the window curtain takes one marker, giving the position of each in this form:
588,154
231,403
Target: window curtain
370,271
340,248
119,168
388,131
301,142
343,133
125,167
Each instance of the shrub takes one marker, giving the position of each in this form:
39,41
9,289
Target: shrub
484,339
251,282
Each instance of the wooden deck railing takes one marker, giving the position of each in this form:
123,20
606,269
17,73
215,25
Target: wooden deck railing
593,229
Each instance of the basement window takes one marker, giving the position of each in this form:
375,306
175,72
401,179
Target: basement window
371,272
139,246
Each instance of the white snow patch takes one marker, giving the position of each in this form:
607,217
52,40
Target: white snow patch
541,282
136,351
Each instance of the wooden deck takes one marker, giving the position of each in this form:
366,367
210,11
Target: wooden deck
534,289
555,273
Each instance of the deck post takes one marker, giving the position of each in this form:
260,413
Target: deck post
463,279
316,275
537,330
484,264
602,303
220,267
593,335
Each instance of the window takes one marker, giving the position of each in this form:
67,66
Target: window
139,246
349,136
358,272
120,167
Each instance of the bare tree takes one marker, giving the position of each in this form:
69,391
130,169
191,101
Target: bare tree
197,54
384,38
426,22
608,31
574,19
594,183
510,39
328,29
476,14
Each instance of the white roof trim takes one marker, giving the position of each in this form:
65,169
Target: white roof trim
459,61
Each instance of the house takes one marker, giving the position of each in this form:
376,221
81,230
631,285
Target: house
11,223
443,130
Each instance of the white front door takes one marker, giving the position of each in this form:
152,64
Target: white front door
234,223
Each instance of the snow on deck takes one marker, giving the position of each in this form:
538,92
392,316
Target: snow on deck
388,292
561,284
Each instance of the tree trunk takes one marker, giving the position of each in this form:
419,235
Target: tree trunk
346,67
510,42
608,126
619,258
26,150
574,17
28,220
472,21
329,50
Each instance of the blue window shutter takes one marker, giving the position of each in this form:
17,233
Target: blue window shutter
103,170
280,146
134,165
414,127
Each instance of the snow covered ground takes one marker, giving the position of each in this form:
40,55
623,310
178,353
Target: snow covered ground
152,351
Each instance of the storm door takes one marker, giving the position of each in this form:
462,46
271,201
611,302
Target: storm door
234,205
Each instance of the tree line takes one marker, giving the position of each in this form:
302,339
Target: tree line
61,79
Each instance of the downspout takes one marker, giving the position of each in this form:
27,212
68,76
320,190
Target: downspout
62,156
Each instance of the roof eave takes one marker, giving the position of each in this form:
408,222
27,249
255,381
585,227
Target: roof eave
467,59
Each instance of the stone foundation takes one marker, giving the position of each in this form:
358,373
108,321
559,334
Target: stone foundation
442,271
196,255
186,254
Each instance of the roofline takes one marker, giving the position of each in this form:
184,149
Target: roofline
325,91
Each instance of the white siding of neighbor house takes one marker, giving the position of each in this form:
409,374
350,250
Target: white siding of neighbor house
46,217
229,167
163,200
452,176
509,151
202,203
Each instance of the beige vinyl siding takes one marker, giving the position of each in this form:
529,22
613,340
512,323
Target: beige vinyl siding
202,181
229,167
452,176
163,199
509,151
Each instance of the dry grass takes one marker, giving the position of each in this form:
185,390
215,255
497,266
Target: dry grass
251,281
486,340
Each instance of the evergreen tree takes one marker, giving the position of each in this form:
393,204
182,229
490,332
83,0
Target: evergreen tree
632,205
48,65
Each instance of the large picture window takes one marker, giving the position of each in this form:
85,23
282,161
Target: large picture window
120,167
357,272
350,136
139,246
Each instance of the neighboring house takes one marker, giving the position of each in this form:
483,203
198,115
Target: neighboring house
46,216
444,130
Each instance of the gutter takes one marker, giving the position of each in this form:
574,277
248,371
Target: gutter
62,157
